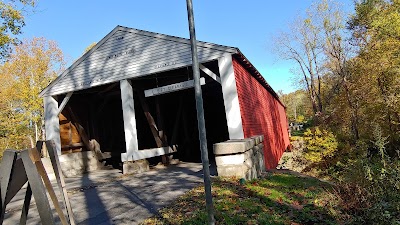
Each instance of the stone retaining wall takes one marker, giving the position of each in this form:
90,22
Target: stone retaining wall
242,158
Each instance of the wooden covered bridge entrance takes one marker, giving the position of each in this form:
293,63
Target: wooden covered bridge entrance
131,95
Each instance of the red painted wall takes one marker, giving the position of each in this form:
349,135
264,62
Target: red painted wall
263,114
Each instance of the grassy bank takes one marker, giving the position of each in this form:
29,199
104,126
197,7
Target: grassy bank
276,198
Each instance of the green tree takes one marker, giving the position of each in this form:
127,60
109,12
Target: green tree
376,69
298,107
12,20
29,69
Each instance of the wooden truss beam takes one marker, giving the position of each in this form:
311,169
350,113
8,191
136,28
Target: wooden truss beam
210,73
64,102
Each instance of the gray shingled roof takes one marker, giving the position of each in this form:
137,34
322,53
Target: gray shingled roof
127,53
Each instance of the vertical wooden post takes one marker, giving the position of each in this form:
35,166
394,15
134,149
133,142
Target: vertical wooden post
52,123
6,167
128,111
231,99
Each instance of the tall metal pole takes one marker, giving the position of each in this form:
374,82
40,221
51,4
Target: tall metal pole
200,115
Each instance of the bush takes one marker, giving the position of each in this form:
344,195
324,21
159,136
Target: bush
319,145
367,177
370,185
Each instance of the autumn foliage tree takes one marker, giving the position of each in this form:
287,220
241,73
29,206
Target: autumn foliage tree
359,81
311,42
12,20
28,70
376,69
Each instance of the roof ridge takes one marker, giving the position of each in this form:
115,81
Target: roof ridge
167,36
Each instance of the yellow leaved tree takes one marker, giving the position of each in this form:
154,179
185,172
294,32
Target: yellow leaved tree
28,70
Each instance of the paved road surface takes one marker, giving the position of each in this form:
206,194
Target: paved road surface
107,197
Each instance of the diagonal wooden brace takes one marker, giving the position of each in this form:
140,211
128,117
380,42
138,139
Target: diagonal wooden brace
36,159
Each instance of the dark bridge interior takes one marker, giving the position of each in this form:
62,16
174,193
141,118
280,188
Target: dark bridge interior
98,111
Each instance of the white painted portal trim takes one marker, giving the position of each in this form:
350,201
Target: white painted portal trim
231,99
128,111
148,153
210,73
172,87
64,102
51,121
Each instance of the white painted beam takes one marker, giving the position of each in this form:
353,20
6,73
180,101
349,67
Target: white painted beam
128,111
52,122
210,73
231,99
64,102
148,153
172,88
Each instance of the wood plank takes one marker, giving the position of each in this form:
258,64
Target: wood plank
129,117
80,130
52,121
210,73
149,153
64,102
55,162
172,88
161,131
38,189
150,119
6,167
35,157
73,145
69,133
25,207
230,95
17,180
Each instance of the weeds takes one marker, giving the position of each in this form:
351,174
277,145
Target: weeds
274,199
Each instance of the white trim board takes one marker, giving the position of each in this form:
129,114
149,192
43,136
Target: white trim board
172,88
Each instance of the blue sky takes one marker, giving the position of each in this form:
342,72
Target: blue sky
249,25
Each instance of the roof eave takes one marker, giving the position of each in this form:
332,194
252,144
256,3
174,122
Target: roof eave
257,74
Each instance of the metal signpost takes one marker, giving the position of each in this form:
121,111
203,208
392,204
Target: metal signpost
200,115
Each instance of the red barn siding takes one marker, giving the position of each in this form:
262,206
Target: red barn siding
261,113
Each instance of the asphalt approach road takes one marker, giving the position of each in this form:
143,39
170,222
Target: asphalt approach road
108,197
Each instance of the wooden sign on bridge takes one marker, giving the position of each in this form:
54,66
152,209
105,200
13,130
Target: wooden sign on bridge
172,88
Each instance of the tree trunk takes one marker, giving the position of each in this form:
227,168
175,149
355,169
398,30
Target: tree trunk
36,132
354,113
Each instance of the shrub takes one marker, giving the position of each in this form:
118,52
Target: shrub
319,144
370,186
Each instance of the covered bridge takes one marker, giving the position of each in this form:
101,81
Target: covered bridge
131,95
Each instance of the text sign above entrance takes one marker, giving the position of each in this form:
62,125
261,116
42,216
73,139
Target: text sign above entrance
172,87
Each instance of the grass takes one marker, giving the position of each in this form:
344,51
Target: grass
276,198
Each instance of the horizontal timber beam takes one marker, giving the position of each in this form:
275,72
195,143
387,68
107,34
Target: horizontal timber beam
152,152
